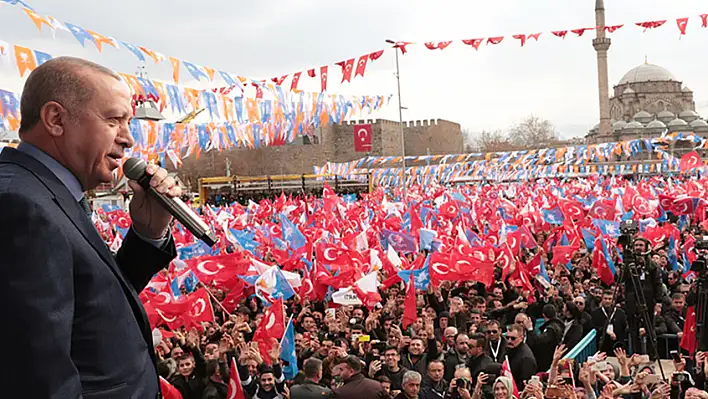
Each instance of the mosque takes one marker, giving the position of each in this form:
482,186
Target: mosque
648,100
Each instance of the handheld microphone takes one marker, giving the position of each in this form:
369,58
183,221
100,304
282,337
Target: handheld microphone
134,169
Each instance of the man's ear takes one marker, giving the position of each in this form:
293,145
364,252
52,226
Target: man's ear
51,116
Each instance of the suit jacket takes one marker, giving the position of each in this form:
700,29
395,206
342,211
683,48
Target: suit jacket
72,321
309,390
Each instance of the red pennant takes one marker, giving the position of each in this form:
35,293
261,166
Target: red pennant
682,23
522,39
279,81
311,73
580,31
704,20
495,40
473,42
437,45
296,79
323,77
402,46
650,24
259,92
376,55
361,65
347,67
534,36
560,33
611,29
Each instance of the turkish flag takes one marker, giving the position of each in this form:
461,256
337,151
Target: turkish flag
690,161
682,23
362,138
169,391
200,309
347,67
361,65
410,314
296,79
235,390
323,77
688,339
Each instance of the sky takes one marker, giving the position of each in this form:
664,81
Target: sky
492,88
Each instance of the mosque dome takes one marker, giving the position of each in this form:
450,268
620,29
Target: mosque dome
643,117
618,125
647,73
656,124
665,116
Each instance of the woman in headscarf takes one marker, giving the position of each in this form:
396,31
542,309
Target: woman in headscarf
503,388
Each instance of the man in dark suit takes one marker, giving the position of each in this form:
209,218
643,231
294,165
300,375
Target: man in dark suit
310,388
72,322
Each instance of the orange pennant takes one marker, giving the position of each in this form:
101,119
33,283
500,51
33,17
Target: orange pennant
210,72
99,39
161,92
150,54
175,69
37,19
25,60
133,82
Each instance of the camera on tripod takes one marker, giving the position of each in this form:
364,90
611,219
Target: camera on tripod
701,247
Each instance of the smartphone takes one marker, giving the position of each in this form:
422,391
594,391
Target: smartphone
675,356
600,366
554,392
307,336
652,379
331,312
535,380
365,338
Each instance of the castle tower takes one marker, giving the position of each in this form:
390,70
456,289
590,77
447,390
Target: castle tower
601,43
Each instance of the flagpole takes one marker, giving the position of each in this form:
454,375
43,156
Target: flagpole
214,299
400,120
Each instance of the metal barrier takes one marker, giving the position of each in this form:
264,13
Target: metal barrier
584,349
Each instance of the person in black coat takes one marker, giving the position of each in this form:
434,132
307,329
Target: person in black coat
616,330
477,358
217,385
521,358
434,385
573,325
543,343
310,388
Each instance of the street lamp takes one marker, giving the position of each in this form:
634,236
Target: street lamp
400,120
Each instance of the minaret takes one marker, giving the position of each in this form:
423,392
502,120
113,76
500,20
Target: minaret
602,44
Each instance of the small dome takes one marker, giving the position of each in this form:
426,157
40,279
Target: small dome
629,91
643,117
665,116
688,115
698,123
618,125
647,73
656,124
677,122
633,125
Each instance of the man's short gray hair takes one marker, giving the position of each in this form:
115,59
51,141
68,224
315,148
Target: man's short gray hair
60,80
411,376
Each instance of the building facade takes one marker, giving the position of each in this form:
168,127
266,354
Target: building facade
647,102
334,143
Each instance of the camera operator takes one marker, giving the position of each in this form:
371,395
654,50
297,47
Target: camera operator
697,296
637,261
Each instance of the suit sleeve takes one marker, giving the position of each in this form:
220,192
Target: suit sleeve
140,260
36,302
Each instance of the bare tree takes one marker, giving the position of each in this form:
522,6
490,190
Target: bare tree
488,141
533,132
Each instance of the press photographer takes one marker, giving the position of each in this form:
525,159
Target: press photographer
698,296
643,288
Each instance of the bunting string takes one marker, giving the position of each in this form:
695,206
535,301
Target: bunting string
611,158
350,68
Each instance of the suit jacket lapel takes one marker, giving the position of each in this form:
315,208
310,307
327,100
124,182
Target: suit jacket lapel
76,214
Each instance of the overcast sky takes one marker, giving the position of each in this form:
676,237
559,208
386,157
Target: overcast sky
487,89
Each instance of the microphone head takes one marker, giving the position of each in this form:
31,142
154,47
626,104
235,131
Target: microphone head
134,168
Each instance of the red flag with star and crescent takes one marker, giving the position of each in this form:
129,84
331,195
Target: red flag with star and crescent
235,390
688,339
362,138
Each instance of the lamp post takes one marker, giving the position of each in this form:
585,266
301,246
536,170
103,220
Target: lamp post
400,120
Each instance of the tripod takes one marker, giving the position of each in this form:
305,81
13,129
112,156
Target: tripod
632,270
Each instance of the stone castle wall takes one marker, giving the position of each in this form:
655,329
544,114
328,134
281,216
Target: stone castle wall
336,144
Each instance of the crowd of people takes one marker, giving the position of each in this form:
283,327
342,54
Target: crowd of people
458,324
